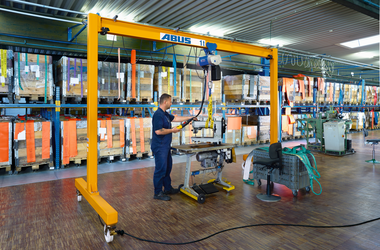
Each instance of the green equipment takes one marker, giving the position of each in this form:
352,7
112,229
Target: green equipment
330,132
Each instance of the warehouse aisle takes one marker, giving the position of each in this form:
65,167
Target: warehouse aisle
46,215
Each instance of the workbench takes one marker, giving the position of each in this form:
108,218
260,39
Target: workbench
191,150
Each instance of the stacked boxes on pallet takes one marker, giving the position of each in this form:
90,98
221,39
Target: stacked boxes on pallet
6,142
108,81
354,91
233,133
288,90
248,134
264,128
263,88
347,93
369,96
6,73
309,89
138,136
176,137
73,140
168,81
72,78
358,120
329,92
338,93
193,85
321,89
143,81
32,144
33,76
111,132
240,88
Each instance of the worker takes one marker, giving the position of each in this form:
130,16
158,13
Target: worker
161,145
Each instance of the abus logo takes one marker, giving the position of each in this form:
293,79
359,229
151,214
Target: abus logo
174,38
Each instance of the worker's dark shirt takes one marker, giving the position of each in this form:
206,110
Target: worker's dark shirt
161,119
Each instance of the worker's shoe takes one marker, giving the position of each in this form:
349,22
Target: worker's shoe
161,196
172,191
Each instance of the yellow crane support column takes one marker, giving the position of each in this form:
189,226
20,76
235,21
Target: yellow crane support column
273,68
89,189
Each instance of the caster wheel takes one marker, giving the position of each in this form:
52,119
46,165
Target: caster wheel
201,199
77,165
259,182
15,172
307,189
295,193
107,234
10,172
180,186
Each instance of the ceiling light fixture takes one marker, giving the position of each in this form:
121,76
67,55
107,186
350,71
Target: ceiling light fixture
365,54
273,42
361,42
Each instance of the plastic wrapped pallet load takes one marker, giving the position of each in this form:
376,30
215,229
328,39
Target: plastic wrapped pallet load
108,81
6,73
167,80
239,88
72,78
249,134
73,140
32,143
176,137
111,132
33,76
6,142
233,133
263,88
347,93
143,81
138,137
358,120
264,129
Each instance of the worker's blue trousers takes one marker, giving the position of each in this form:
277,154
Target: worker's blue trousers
161,177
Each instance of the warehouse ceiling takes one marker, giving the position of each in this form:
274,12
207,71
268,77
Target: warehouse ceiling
317,26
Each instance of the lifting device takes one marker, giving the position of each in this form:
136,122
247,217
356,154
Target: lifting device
95,25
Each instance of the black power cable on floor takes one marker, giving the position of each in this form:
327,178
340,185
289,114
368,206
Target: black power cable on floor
121,232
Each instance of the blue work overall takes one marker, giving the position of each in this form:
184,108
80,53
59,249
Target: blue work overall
161,145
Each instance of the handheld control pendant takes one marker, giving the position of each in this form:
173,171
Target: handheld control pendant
185,123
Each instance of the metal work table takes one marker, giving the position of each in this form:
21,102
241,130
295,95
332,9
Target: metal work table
192,149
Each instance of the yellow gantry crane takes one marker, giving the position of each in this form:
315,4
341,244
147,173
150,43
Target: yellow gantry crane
96,25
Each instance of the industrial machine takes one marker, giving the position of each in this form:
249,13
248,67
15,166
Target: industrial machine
212,158
214,135
330,132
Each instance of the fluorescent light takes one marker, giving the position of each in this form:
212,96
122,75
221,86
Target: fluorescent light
365,54
208,30
362,42
273,42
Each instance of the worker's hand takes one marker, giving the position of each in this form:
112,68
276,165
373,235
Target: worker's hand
175,130
195,119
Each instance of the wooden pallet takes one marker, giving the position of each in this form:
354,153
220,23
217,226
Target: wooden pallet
77,162
139,155
263,141
33,98
6,95
7,167
34,166
249,143
112,158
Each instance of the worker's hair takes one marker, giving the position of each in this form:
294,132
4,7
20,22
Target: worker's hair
164,97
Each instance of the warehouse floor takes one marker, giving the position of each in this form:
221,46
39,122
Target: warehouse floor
46,215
